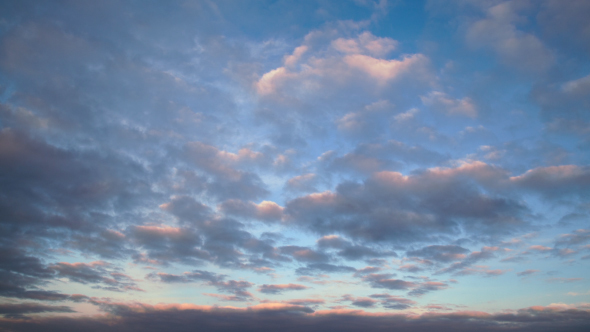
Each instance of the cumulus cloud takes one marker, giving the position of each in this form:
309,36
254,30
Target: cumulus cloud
369,158
527,273
236,287
277,289
463,267
21,309
410,208
579,236
555,180
362,55
393,302
499,32
302,183
440,253
450,106
265,210
98,272
386,281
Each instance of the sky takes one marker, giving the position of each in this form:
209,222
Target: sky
297,165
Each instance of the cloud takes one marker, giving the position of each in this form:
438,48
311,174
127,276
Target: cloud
393,302
24,287
564,280
277,289
385,281
350,251
527,273
366,43
306,302
315,268
563,103
191,143
427,287
571,180
264,211
580,236
165,244
304,254
302,183
227,180
566,26
267,317
19,310
450,106
347,65
362,56
236,287
440,253
13,259
387,70
390,206
363,302
210,238
498,31
369,158
98,272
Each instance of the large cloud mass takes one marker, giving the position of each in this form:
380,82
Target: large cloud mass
317,165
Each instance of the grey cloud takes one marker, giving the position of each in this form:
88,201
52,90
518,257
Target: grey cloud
526,272
188,210
24,287
393,302
236,287
440,253
474,257
149,318
196,275
13,259
277,289
19,310
106,115
556,181
498,31
420,207
366,270
107,243
22,276
228,181
385,281
315,268
427,287
368,158
265,211
101,273
363,302
304,254
168,244
565,26
579,236
302,183
306,302
351,251
564,104
215,239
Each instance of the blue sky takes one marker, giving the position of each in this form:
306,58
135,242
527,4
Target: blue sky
382,163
